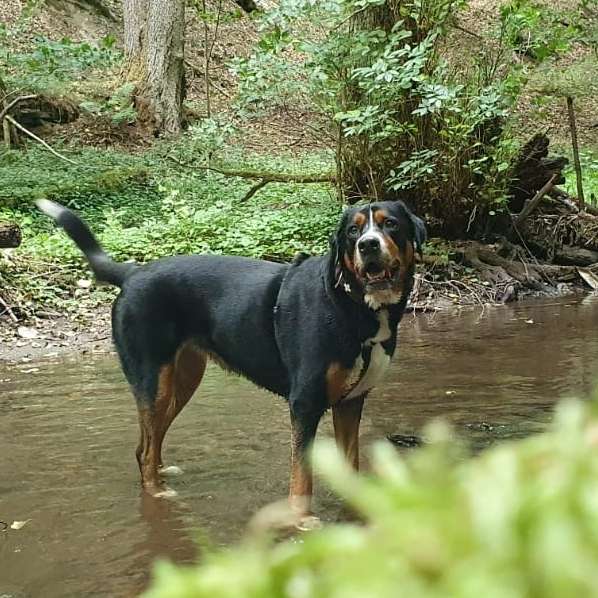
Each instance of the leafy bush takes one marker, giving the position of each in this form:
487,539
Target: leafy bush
51,66
519,520
119,107
146,207
537,29
407,125
589,168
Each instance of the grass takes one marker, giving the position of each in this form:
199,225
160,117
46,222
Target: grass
145,207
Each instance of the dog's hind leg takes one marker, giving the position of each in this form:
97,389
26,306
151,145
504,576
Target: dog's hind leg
176,384
189,368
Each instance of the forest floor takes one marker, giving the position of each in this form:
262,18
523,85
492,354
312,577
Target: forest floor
146,198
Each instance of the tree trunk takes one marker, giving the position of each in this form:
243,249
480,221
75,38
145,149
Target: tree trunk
10,235
154,58
135,26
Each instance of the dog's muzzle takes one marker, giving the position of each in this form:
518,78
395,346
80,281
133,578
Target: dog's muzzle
374,264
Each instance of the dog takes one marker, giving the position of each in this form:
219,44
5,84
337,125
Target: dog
319,331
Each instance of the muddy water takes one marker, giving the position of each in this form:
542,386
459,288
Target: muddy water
68,430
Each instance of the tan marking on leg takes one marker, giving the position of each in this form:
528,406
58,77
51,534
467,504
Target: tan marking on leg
189,368
346,416
154,423
301,484
336,382
177,382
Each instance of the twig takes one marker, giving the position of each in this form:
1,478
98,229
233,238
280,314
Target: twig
8,310
219,89
198,71
472,33
530,206
11,120
255,189
9,106
351,16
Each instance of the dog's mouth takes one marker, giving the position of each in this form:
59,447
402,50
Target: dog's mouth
378,276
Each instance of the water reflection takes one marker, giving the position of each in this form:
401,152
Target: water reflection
68,432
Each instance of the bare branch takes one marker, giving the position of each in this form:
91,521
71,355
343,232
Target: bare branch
11,120
9,106
532,204
254,189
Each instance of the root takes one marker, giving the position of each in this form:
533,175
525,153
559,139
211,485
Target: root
488,274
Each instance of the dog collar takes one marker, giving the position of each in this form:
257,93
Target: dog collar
349,289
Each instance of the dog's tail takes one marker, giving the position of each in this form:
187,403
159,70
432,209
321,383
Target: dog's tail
103,266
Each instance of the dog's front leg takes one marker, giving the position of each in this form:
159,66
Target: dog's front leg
346,416
304,425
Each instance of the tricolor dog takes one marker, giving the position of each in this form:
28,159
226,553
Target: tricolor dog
320,331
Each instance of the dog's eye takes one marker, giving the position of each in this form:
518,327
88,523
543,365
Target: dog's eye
390,223
353,230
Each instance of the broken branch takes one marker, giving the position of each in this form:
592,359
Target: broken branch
11,105
38,139
254,189
531,205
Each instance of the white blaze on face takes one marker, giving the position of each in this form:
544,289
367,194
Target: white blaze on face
372,232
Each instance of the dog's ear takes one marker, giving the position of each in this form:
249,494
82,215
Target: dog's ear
337,248
421,235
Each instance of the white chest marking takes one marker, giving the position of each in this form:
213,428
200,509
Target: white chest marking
378,364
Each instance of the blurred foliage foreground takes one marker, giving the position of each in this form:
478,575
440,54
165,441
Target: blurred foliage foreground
521,519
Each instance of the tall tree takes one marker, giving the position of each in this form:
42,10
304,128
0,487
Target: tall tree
155,60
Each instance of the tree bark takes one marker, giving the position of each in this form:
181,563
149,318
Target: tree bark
10,235
155,61
135,38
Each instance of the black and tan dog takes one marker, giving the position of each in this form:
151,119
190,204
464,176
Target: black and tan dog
320,331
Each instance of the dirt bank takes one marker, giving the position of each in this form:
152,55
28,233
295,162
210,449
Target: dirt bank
40,338
438,287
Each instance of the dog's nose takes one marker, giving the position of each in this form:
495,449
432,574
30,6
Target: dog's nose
368,245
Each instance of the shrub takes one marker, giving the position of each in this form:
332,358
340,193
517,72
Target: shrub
519,520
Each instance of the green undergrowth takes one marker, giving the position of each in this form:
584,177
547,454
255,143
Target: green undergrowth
589,166
148,206
520,520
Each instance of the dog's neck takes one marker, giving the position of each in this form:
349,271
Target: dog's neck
346,283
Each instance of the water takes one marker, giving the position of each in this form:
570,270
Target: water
68,430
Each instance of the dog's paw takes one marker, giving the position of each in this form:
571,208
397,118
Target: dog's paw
166,492
308,523
170,470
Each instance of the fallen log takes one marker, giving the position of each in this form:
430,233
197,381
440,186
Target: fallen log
531,169
509,276
10,235
575,256
532,204
35,110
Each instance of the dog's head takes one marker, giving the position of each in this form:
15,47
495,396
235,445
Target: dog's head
373,252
